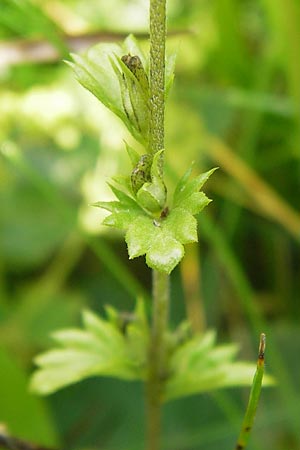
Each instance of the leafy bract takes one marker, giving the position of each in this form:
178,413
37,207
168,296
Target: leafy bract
152,229
187,194
199,365
100,348
118,346
101,70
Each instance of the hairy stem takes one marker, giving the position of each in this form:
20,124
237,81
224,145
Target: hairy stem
157,350
157,357
157,73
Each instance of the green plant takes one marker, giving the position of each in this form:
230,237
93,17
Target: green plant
175,363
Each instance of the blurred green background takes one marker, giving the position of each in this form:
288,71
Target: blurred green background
235,104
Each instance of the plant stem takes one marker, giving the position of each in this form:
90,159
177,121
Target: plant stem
157,73
160,289
254,397
157,357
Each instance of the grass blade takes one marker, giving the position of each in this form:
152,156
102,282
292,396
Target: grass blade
254,396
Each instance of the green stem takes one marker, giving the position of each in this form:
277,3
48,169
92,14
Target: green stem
160,290
157,73
157,357
254,397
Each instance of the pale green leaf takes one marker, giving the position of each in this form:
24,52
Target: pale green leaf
94,71
195,202
113,206
164,253
133,155
102,329
182,225
181,184
119,220
199,365
184,354
124,198
157,166
186,188
123,181
99,349
139,236
152,196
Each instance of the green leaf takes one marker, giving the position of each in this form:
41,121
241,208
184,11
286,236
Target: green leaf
199,365
94,71
139,236
124,198
102,329
124,182
137,74
165,253
133,86
122,214
152,195
101,71
135,103
185,189
195,202
123,211
182,183
152,229
99,349
113,206
133,155
182,225
157,166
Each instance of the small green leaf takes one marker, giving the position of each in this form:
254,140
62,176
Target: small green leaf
99,349
94,71
133,155
182,225
187,188
124,198
109,206
165,253
157,166
195,203
101,71
122,214
198,365
135,97
139,236
102,329
135,66
124,182
181,184
152,195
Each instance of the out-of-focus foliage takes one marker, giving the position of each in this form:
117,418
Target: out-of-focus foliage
234,104
118,348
